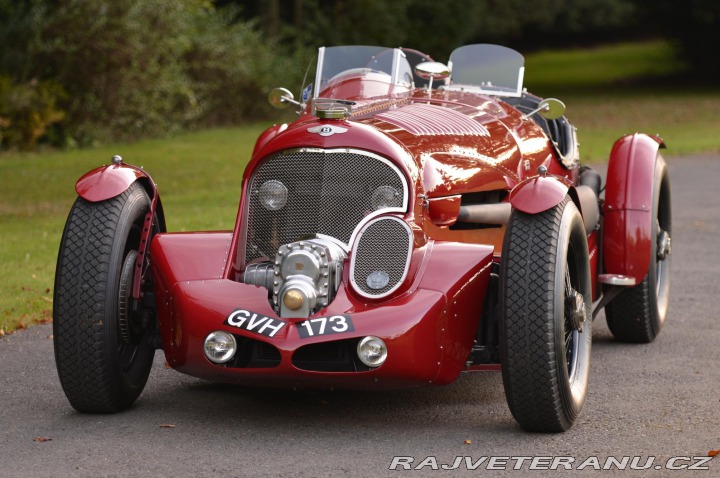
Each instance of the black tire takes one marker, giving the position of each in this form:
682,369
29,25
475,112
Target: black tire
103,344
545,324
638,314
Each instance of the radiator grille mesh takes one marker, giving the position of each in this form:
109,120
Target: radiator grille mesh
329,192
382,247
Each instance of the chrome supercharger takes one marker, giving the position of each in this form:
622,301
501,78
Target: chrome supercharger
304,276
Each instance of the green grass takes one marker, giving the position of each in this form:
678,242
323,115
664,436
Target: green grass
584,69
199,176
609,92
620,89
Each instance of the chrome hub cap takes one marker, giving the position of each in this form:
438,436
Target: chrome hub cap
575,305
664,245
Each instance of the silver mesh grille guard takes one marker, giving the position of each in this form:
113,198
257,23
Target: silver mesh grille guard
381,250
328,192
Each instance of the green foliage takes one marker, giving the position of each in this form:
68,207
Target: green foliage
693,25
27,110
21,25
93,71
231,68
131,68
436,27
121,62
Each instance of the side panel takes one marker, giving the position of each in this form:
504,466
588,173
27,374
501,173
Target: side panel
190,256
627,228
461,273
185,257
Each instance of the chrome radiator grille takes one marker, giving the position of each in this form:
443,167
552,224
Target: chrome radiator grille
381,256
328,192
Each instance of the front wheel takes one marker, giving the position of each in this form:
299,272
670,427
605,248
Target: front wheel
545,324
103,340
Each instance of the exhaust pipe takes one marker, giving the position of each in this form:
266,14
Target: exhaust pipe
498,213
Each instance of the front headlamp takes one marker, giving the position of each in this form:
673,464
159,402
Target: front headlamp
384,197
273,195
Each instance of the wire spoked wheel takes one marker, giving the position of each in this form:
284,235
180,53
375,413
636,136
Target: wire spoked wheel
103,338
545,325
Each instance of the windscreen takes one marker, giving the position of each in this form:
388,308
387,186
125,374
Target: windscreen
491,69
378,64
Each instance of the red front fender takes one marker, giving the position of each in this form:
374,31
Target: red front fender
112,180
108,181
538,194
627,228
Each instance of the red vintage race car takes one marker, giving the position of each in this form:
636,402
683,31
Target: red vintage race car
417,220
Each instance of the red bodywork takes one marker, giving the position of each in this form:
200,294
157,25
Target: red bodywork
627,231
429,327
448,145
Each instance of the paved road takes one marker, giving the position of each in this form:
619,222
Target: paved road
659,400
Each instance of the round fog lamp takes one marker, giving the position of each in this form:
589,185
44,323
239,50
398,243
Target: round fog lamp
273,195
220,346
372,351
376,280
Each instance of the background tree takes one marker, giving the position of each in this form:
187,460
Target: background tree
694,28
84,71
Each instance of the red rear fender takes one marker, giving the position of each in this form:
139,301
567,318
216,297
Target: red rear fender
627,229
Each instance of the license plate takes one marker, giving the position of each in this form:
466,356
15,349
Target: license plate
336,324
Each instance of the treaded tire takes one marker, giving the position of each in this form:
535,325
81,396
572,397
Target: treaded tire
638,314
545,357
100,371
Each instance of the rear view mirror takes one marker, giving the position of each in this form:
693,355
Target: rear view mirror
549,108
281,98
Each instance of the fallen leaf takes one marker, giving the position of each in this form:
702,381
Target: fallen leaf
714,452
41,439
22,326
166,425
2,332
468,442
167,365
50,336
47,299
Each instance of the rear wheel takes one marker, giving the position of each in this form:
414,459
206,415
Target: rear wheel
637,314
545,325
103,339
